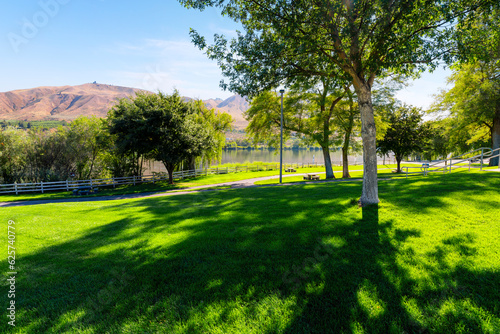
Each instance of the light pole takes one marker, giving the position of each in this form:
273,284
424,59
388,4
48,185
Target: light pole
281,142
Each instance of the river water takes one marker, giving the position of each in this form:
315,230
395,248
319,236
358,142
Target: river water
289,157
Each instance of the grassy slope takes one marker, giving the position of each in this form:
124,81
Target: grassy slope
297,259
157,187
164,186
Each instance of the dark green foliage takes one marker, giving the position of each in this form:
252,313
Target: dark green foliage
406,134
158,126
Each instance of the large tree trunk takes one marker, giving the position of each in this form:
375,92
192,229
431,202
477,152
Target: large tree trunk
495,137
328,162
369,194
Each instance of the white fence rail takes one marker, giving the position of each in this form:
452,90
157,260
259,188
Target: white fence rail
462,161
69,185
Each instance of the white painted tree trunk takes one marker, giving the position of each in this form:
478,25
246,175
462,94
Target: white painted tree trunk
369,194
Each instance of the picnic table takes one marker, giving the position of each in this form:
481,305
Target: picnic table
425,168
85,190
311,177
290,170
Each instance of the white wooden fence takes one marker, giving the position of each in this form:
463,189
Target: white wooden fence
69,185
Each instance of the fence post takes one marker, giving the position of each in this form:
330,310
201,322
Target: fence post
15,187
481,168
113,180
41,185
134,180
67,185
90,183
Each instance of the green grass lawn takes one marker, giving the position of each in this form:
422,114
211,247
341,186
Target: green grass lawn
149,187
295,259
356,172
179,184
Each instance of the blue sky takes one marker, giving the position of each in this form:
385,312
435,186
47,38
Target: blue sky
127,43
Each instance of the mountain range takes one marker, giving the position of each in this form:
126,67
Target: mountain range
69,102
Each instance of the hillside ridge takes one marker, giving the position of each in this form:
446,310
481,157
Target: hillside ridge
69,102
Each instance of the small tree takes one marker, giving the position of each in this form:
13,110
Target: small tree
87,140
406,133
161,127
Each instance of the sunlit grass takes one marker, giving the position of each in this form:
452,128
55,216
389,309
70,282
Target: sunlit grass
161,186
296,259
355,172
149,187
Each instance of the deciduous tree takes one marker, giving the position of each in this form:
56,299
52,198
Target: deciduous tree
361,40
160,126
406,133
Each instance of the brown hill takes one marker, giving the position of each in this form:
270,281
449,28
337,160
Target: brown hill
235,106
61,103
69,102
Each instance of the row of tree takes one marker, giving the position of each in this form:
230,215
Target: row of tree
347,45
149,126
472,123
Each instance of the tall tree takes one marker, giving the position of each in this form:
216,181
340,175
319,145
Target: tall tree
87,139
315,110
347,119
362,40
13,154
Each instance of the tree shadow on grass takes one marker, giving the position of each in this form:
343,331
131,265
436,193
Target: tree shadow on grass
408,194
301,259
